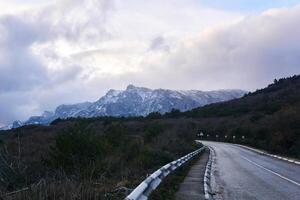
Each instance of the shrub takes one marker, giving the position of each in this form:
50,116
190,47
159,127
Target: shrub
152,131
12,171
76,148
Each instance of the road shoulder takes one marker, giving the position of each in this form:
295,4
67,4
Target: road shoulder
192,186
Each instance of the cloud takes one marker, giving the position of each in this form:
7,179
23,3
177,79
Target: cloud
72,51
159,43
30,62
19,68
248,54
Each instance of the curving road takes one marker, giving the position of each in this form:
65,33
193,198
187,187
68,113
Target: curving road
242,174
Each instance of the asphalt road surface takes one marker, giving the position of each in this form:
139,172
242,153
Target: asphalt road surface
243,174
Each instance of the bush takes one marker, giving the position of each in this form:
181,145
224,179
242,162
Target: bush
154,115
12,171
76,149
152,131
148,158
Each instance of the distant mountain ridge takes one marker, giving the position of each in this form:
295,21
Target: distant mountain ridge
135,101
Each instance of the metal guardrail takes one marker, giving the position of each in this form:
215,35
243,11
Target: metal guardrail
143,191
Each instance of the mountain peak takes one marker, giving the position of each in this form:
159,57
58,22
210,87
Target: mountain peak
131,87
135,101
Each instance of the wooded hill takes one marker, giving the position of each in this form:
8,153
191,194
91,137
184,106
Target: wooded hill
268,118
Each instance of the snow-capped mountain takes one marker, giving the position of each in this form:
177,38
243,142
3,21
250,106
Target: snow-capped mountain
135,101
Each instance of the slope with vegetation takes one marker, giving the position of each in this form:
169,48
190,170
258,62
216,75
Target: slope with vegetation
102,158
89,158
268,118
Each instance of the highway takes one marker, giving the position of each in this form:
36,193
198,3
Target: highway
242,174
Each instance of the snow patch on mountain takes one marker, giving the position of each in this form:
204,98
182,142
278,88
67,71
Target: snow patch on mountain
134,101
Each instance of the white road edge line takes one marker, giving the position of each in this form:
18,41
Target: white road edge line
279,175
267,154
207,175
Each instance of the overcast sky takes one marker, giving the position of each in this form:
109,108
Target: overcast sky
68,51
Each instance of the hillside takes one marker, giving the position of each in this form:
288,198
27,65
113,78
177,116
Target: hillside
268,118
105,156
98,157
283,92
